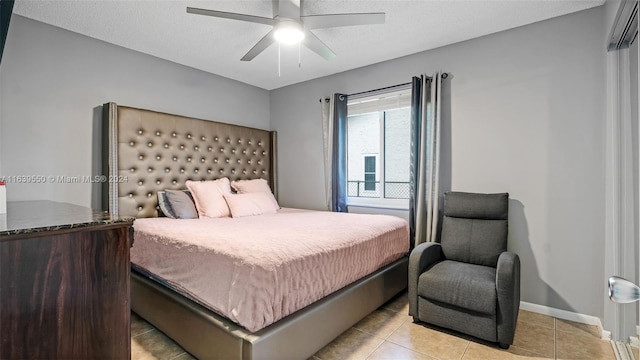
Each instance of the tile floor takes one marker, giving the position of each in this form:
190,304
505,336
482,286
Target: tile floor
389,333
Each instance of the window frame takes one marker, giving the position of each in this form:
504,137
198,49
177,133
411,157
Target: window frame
374,172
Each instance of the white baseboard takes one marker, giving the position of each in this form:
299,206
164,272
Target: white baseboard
567,315
622,351
605,334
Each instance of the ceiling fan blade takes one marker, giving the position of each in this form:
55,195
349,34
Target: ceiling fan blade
335,20
234,16
288,9
317,46
264,43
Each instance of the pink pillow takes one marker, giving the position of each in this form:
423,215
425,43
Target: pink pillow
209,197
250,204
254,186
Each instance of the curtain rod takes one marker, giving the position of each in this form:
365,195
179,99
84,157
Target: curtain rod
381,89
444,76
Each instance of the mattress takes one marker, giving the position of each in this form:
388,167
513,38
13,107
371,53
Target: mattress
256,270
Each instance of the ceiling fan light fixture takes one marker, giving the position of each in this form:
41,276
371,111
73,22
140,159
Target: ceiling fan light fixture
291,27
288,33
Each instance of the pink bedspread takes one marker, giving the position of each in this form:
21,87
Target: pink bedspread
256,270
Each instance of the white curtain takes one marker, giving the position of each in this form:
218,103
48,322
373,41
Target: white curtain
622,193
425,158
327,136
334,129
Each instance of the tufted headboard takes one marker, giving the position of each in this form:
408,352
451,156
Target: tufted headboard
146,151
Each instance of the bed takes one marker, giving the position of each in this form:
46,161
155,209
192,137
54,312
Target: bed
145,152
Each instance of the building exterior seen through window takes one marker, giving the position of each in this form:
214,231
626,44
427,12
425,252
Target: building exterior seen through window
378,140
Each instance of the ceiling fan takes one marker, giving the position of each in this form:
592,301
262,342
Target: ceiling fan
291,27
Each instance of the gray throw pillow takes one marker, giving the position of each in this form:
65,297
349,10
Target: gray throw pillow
177,204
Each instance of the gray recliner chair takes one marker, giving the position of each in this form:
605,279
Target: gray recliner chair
468,282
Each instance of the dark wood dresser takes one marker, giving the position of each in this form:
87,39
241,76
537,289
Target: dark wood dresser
64,282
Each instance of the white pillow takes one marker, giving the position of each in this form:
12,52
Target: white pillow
209,197
250,204
254,186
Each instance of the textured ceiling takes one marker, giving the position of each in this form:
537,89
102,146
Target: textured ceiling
164,29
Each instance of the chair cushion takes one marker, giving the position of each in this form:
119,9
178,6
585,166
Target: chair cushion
467,286
476,206
475,227
473,241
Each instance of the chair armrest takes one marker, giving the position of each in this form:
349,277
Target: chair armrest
422,257
508,288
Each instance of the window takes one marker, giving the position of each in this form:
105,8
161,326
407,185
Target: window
378,135
370,173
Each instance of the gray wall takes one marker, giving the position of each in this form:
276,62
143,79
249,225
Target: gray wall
53,80
524,115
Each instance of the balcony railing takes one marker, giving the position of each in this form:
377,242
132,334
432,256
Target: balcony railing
372,189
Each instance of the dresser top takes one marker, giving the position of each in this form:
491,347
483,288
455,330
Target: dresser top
25,217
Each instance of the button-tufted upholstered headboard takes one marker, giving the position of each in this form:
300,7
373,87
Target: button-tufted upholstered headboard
147,151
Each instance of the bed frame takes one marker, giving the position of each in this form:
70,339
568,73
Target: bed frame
146,151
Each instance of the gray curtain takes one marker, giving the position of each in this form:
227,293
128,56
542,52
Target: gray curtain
425,158
334,116
6,8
